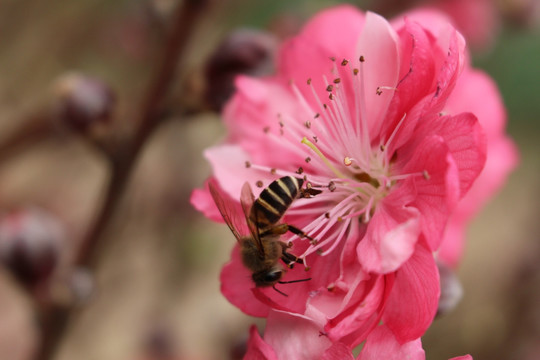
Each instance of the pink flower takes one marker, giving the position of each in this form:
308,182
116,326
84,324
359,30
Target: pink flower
358,108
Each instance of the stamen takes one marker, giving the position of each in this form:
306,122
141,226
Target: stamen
381,88
348,161
312,146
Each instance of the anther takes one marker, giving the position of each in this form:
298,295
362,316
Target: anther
273,171
308,159
281,124
300,170
355,71
308,124
259,183
316,115
315,138
425,174
362,58
337,80
319,252
266,129
330,88
347,161
248,164
331,287
331,96
327,215
339,219
332,58
332,186
344,62
309,81
307,268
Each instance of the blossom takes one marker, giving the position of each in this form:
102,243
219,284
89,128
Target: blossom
358,107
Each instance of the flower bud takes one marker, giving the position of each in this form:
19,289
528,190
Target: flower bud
83,101
244,51
30,241
451,290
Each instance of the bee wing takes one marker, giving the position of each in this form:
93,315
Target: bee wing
231,217
246,200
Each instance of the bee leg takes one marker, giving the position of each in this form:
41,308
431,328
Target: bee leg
289,259
300,233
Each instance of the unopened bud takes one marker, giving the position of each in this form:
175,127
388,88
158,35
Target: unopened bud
83,101
244,51
30,243
451,290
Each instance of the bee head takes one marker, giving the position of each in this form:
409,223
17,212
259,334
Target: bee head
267,277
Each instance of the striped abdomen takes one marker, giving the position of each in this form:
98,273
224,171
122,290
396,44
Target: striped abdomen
274,200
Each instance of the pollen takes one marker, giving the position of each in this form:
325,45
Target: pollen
347,161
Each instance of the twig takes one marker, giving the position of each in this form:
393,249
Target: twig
55,319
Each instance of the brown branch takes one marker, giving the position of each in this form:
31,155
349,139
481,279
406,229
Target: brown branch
55,319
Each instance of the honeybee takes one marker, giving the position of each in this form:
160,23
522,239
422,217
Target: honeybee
261,249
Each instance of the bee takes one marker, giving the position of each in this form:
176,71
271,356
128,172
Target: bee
261,249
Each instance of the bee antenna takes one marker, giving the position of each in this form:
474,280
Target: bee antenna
288,282
281,292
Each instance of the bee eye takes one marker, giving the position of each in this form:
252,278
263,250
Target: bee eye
273,276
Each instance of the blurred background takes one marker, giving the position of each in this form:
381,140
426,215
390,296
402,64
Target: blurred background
74,84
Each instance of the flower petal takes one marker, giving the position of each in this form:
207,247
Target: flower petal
338,351
378,44
295,336
331,34
437,192
391,236
412,304
257,348
382,344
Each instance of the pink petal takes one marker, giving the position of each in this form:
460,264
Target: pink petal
332,33
338,351
257,348
382,344
417,79
466,143
437,193
378,44
412,304
295,336
477,93
391,236
252,121
449,72
361,310
229,168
